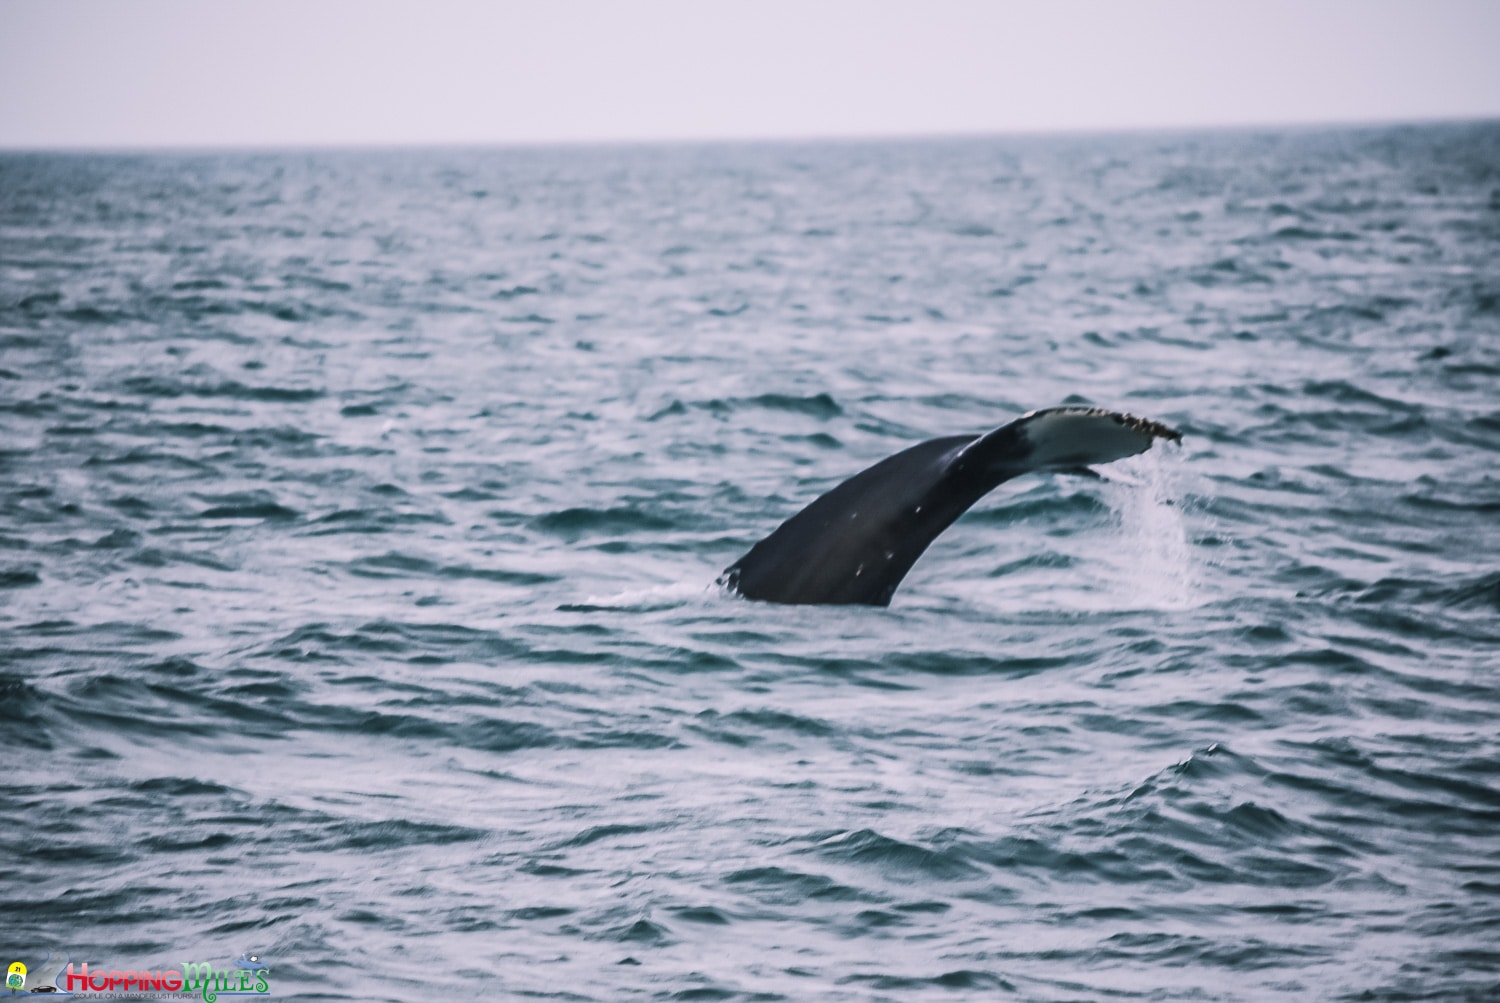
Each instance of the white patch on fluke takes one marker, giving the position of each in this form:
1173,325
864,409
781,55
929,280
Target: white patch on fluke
1070,438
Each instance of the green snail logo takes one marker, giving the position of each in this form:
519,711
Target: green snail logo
15,978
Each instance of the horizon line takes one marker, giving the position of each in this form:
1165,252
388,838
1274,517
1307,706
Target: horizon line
769,139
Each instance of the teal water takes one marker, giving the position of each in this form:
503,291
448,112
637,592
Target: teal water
359,514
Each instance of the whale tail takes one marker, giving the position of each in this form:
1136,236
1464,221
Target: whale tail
854,544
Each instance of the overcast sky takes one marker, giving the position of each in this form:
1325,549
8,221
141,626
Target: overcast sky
111,73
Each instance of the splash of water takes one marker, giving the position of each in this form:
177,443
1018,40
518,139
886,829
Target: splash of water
1153,564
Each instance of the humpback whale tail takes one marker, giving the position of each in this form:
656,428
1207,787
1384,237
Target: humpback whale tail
854,544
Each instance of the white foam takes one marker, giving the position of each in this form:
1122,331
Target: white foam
656,597
1153,564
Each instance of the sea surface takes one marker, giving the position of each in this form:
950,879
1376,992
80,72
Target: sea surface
360,513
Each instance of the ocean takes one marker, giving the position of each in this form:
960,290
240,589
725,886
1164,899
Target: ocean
360,513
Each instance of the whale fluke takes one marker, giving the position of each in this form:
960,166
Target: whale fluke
856,543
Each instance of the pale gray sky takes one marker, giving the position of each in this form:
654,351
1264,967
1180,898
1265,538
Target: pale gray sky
111,73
